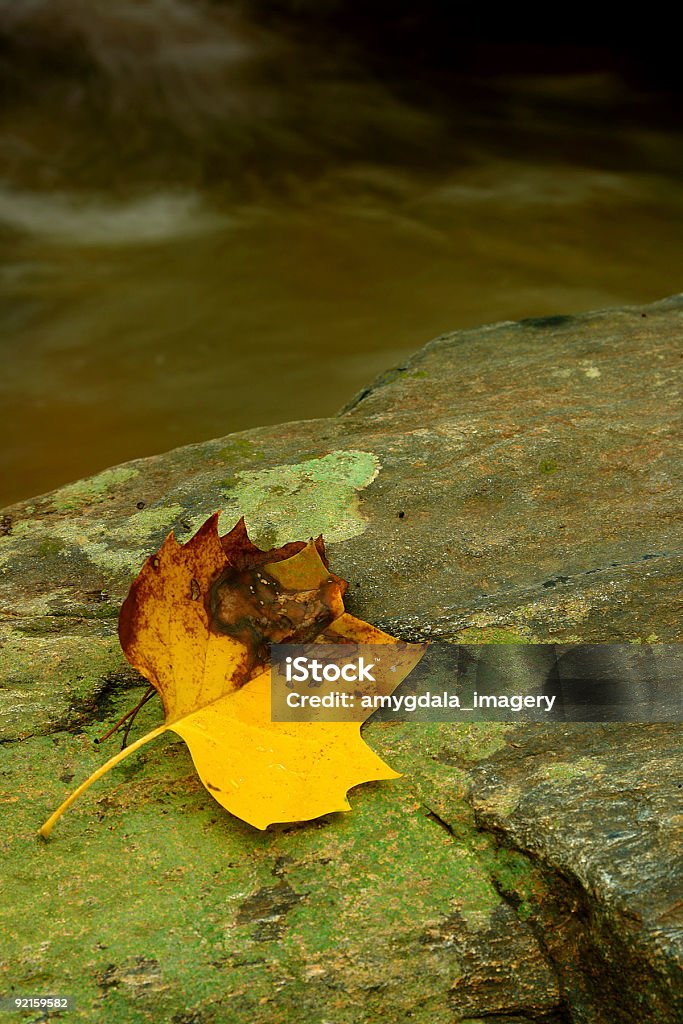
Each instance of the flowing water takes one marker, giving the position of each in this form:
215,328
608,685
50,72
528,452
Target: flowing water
206,227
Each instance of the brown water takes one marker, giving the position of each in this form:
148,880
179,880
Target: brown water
141,314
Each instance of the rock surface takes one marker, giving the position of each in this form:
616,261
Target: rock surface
515,483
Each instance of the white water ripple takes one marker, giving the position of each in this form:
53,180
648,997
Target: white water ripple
89,220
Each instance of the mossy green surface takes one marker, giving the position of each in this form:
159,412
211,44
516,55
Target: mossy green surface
30,700
149,900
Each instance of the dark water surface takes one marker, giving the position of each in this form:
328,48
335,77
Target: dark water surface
206,227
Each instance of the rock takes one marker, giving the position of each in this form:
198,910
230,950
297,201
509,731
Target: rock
510,484
595,810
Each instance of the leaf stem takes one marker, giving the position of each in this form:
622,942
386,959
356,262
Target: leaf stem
133,715
133,711
45,830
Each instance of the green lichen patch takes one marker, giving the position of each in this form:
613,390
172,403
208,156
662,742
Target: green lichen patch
238,448
49,547
474,742
408,745
491,635
504,800
23,527
91,490
515,876
564,773
52,681
116,548
304,499
32,603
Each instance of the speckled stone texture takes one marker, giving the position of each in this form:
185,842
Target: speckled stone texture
514,483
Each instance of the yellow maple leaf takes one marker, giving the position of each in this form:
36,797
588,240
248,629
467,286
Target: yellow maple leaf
198,623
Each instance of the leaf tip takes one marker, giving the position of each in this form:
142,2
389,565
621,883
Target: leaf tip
211,524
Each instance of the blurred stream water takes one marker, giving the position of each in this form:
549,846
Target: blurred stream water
207,226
